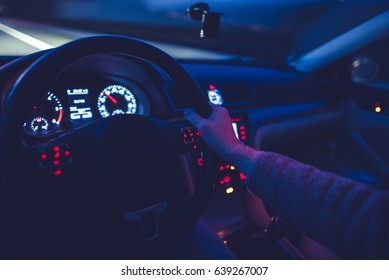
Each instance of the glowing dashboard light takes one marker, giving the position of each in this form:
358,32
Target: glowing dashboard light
229,190
378,109
60,116
356,63
232,167
242,176
215,96
235,128
58,172
225,242
43,156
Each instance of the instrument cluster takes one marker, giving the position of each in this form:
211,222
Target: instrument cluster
76,101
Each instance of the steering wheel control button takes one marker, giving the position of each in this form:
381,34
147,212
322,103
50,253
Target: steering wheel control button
56,156
191,139
57,172
191,135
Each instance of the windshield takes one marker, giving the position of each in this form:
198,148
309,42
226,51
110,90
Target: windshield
262,31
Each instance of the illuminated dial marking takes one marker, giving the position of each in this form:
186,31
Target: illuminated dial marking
39,124
116,100
45,116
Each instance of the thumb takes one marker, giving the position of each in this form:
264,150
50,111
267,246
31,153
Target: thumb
193,117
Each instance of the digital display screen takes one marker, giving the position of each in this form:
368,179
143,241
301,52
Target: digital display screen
79,104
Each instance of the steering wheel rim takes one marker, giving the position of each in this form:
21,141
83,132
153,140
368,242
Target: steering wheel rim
40,75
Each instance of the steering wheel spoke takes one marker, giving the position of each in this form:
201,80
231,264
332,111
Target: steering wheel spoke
148,220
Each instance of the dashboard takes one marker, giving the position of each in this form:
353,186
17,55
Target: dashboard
102,86
76,100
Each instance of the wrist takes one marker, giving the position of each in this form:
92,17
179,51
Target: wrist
242,157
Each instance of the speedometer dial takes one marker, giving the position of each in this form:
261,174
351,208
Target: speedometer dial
115,100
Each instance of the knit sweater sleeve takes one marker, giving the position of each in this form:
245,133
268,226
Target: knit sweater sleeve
350,218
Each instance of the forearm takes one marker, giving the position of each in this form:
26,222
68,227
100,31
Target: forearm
242,157
347,216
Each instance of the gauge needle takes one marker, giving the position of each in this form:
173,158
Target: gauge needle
111,98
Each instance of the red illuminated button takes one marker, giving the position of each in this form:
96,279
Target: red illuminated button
58,172
227,179
55,156
242,176
191,135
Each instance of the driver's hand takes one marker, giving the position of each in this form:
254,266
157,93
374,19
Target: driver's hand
216,131
218,134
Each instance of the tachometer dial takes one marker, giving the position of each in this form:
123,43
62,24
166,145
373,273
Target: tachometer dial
45,116
115,100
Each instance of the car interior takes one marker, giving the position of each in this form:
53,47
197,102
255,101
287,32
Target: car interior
97,161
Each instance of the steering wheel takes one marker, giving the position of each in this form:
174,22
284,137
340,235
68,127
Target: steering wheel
110,189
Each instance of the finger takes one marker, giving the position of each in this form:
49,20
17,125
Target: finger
215,107
193,117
